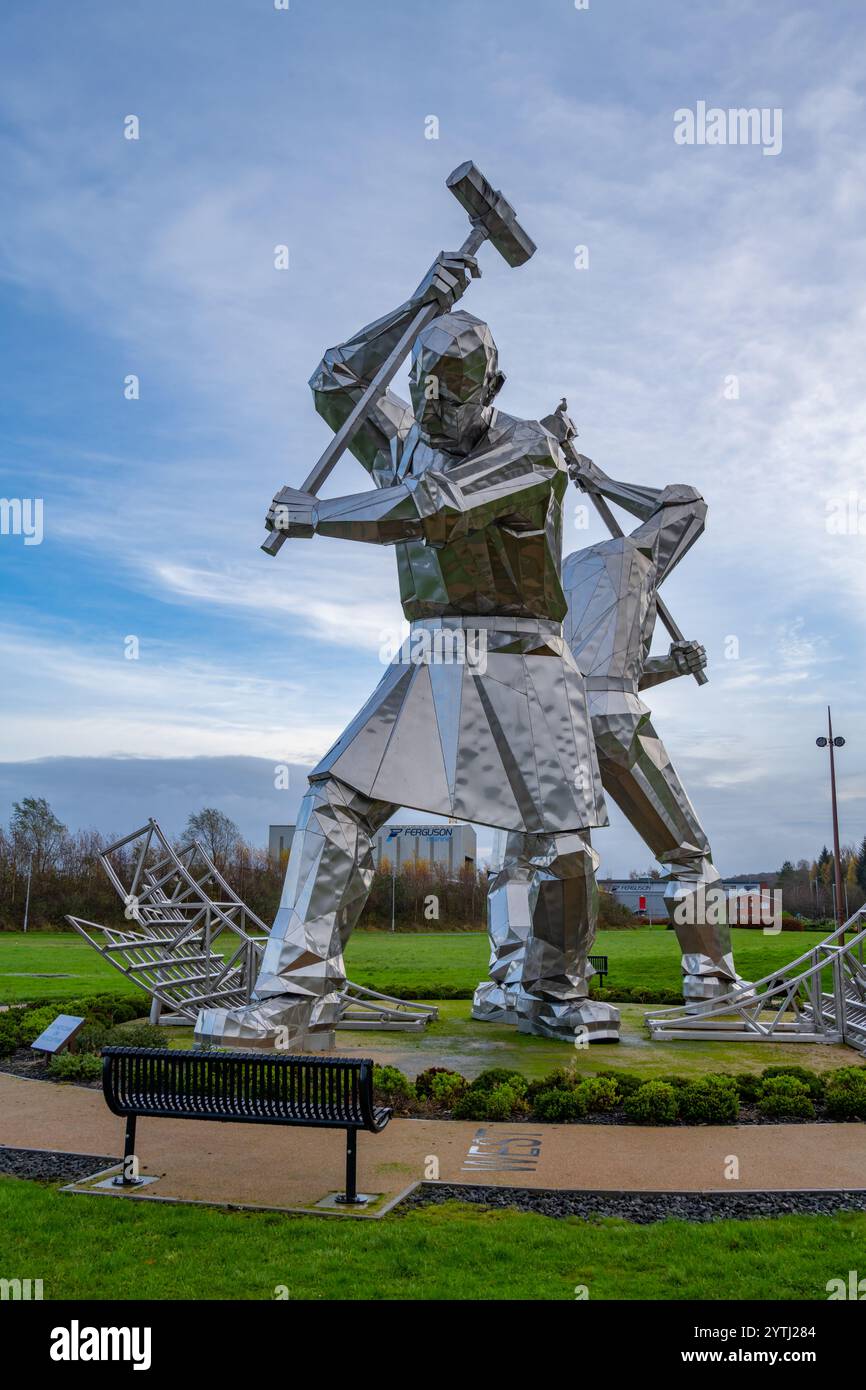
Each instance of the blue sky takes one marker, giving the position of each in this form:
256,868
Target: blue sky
307,127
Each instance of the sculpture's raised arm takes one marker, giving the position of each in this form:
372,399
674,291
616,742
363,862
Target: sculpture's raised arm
345,371
511,484
673,517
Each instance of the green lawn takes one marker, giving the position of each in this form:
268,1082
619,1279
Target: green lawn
103,1247
645,957
455,1040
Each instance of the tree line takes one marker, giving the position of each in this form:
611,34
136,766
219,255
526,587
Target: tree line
808,886
47,871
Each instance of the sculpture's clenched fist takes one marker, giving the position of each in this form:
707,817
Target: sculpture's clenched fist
688,657
292,512
583,471
447,279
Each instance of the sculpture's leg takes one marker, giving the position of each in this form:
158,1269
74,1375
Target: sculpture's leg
552,997
328,878
508,925
639,776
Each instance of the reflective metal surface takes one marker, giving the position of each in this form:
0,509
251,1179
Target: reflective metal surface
471,499
611,593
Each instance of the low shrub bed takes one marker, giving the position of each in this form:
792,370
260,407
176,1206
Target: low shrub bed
777,1094
107,1023
22,1023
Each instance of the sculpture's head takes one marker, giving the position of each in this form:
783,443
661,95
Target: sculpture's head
454,378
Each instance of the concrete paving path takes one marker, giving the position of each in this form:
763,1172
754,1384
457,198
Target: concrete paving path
289,1168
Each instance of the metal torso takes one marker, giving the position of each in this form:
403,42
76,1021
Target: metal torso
511,567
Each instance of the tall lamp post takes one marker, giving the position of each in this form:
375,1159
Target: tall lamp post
831,743
27,899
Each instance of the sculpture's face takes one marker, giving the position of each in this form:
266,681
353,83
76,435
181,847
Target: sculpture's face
454,378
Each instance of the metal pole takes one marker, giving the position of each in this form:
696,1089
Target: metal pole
394,890
27,899
840,917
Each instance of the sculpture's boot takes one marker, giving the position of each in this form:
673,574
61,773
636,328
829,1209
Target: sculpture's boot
298,993
697,909
282,1024
553,994
509,921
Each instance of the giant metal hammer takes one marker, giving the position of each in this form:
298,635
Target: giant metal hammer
492,220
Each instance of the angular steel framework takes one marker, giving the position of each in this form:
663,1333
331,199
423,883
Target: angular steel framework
192,943
790,1005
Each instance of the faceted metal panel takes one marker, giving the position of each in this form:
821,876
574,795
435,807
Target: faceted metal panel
497,743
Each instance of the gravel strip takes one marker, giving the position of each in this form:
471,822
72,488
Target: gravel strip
48,1166
640,1207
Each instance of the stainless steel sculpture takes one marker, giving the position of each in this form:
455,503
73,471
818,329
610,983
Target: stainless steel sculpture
471,498
190,942
611,589
791,1004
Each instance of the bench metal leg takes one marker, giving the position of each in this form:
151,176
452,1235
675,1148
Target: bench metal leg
123,1179
350,1197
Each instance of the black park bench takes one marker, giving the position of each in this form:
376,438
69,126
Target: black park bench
599,964
243,1088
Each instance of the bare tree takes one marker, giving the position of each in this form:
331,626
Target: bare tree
36,833
217,832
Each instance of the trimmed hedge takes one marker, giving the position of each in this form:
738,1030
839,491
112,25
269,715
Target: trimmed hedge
563,1096
785,1097
653,1103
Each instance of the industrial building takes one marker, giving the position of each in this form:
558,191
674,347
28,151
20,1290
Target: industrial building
452,846
645,897
448,845
279,841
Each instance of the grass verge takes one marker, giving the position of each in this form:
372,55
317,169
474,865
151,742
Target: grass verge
108,1248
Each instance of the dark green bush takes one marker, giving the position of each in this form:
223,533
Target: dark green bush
136,1035
811,1079
92,1038
846,1093
447,1087
653,1103
424,1081
560,1079
558,1105
391,1087
103,1008
75,1066
783,1096
506,1101
497,1076
598,1093
626,1081
8,1036
710,1100
472,1105
748,1084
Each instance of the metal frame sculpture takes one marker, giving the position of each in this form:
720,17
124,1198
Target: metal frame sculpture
789,1005
192,943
